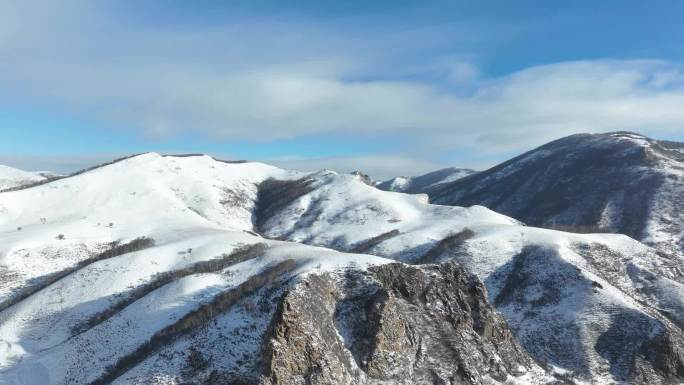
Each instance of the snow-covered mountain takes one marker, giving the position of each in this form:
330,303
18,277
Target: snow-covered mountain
420,184
148,270
573,300
170,270
618,182
12,177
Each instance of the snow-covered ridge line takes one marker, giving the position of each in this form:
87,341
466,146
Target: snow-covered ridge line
618,182
48,177
75,173
498,250
112,250
12,177
200,212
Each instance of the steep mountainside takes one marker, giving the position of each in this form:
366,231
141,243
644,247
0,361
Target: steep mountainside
573,300
11,177
419,184
187,270
399,325
618,182
148,271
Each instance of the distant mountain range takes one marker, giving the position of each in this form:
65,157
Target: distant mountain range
418,184
617,182
168,270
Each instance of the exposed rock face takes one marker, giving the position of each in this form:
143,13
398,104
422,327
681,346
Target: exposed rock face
392,324
194,308
584,303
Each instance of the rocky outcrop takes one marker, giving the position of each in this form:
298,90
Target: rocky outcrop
392,324
582,303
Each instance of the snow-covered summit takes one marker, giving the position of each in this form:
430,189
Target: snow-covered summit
143,192
11,177
618,182
561,292
99,266
136,271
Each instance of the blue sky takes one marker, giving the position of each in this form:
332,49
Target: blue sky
394,87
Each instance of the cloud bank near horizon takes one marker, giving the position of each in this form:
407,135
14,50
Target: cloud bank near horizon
379,167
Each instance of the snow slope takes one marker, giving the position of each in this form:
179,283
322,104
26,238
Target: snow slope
563,293
98,270
618,182
194,209
12,177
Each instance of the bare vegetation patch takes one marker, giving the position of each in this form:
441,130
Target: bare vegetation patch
450,243
200,316
369,243
522,275
115,249
231,198
273,195
164,278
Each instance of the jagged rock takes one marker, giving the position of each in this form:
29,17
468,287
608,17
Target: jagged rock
365,178
392,324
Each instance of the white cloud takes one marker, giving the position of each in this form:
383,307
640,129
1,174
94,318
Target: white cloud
251,81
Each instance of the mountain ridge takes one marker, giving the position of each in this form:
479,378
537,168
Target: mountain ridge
12,178
618,182
198,212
